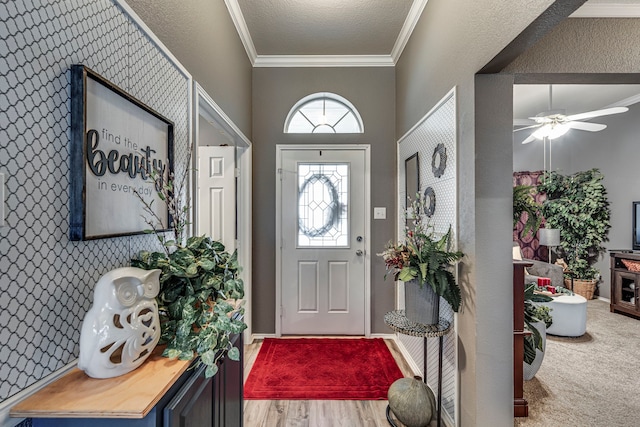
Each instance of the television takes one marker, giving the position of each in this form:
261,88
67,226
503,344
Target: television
636,226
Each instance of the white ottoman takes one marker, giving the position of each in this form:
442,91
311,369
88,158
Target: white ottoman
569,314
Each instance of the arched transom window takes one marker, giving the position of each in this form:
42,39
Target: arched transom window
323,113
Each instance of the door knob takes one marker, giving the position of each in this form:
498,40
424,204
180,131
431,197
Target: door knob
359,252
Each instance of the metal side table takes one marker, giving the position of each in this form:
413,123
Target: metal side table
398,322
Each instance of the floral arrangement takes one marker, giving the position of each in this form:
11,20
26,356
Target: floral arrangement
424,256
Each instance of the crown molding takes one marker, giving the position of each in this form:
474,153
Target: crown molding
324,61
241,27
613,10
407,28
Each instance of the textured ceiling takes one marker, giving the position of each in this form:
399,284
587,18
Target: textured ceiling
324,27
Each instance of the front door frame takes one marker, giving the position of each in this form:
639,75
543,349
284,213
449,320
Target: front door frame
367,226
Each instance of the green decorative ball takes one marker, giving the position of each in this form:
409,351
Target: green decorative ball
412,402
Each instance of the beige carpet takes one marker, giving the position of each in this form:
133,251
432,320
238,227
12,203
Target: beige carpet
593,380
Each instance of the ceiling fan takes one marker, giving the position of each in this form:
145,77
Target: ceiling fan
554,123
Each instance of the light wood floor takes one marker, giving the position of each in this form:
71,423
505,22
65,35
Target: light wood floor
316,413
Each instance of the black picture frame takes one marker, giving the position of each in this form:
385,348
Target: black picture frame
115,140
411,178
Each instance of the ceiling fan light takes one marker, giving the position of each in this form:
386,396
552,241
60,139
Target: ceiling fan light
542,132
551,130
558,130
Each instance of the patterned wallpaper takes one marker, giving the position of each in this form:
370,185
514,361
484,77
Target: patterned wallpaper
438,127
46,281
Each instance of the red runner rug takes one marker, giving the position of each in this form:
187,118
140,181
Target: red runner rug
322,369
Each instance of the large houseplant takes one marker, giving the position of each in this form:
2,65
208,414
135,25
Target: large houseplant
200,291
424,256
577,204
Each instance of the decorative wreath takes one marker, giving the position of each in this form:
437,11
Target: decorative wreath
335,207
430,194
439,152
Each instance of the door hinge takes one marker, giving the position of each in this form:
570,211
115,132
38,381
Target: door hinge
281,311
280,173
237,171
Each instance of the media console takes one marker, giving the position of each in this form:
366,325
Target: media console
625,280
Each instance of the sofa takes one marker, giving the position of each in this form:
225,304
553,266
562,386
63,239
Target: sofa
539,269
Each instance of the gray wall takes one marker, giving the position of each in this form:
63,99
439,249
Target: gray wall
201,34
275,91
451,42
615,151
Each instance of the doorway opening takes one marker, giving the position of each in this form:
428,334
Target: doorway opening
221,190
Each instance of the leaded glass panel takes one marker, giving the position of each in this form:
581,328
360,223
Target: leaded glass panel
323,196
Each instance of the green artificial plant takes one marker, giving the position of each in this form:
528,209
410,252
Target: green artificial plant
532,314
577,205
199,293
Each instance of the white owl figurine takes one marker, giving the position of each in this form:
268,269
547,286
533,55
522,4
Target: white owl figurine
122,327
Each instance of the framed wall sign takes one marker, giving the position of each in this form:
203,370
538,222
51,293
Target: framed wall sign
115,141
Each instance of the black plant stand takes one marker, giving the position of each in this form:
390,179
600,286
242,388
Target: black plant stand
398,322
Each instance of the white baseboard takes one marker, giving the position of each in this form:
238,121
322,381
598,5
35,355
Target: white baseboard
407,357
5,407
607,300
263,336
255,337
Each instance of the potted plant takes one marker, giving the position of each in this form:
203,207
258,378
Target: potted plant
525,204
577,204
200,292
536,319
424,261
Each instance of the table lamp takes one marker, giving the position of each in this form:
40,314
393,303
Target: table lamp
550,237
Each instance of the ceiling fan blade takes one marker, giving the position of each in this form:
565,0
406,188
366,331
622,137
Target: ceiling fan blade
597,113
527,127
591,127
541,119
529,139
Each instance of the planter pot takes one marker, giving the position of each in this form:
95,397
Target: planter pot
530,371
422,304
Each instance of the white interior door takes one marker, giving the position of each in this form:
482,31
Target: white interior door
323,241
217,194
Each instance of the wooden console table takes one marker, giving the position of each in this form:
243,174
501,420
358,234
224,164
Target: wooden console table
398,322
161,392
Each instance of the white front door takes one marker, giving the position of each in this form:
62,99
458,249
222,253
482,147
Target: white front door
217,194
323,241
